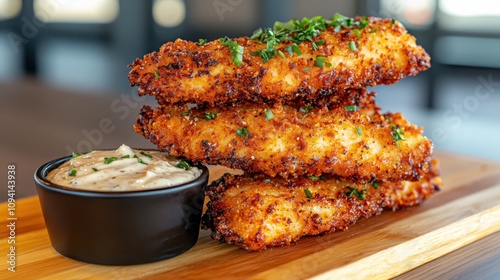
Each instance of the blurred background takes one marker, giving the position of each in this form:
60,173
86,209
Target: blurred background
63,68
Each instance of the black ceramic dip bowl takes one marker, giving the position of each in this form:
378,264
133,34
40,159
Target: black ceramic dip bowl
121,228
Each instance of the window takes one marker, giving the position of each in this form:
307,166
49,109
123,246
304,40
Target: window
470,16
80,11
467,8
9,8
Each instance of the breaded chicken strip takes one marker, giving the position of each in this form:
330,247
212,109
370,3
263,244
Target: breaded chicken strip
258,212
344,135
351,53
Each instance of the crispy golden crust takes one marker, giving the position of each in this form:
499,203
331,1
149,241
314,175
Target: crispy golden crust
206,74
357,145
260,212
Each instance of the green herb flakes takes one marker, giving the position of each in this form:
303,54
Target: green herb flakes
315,45
74,155
243,132
357,33
209,116
358,131
339,21
320,61
351,108
353,46
139,160
202,42
186,113
269,114
293,49
157,75
316,178
308,193
396,134
146,154
306,109
293,31
184,165
108,160
354,192
72,172
235,49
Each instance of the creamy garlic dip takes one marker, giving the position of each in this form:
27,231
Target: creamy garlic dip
124,169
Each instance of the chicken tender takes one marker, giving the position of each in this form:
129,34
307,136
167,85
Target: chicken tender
343,135
258,212
348,53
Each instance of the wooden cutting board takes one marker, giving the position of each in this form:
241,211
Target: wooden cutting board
467,209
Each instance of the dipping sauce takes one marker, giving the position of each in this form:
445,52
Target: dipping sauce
124,169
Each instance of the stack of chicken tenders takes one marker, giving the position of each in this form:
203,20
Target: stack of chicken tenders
289,107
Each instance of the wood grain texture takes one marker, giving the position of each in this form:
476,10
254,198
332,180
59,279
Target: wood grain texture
478,261
466,210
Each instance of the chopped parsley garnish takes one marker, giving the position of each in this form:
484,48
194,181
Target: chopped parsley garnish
358,131
356,31
393,21
351,108
320,62
184,165
355,192
373,31
125,156
293,49
202,42
74,155
72,172
271,42
235,49
306,69
316,178
299,31
157,75
396,134
186,113
95,169
146,154
269,114
340,21
139,160
209,116
376,184
315,45
306,109
243,132
352,46
108,160
308,193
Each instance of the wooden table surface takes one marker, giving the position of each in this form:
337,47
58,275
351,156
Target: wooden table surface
454,234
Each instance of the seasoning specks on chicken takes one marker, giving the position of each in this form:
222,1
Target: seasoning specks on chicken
289,107
297,140
258,212
340,54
